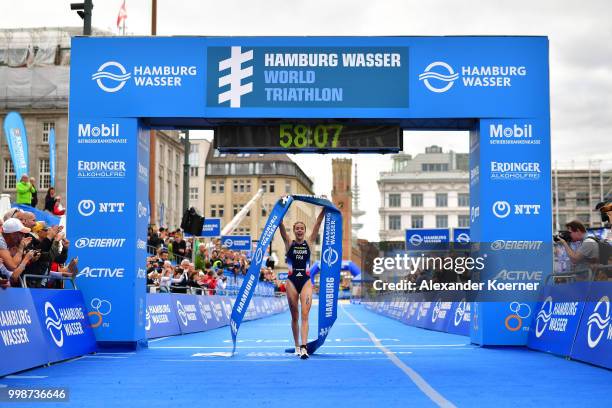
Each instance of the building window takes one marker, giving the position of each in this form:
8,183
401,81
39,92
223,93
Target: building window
193,171
287,186
213,187
464,221
264,213
213,210
582,199
464,200
434,166
221,210
562,202
248,186
236,208
221,186
441,221
47,126
417,201
395,200
441,200
44,174
193,193
235,186
395,222
10,179
583,218
417,221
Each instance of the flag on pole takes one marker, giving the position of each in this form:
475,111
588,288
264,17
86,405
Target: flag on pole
122,16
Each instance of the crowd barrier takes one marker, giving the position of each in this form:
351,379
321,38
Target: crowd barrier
170,314
42,326
572,320
415,310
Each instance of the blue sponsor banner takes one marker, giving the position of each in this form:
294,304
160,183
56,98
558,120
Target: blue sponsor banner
427,239
593,342
64,322
52,155
107,166
373,77
22,343
191,312
282,275
441,315
460,316
160,317
211,227
17,140
557,317
236,242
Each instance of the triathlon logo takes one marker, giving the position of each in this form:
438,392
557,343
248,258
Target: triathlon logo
501,209
142,210
235,76
180,310
117,76
598,321
100,308
54,324
228,242
443,75
544,316
519,311
330,257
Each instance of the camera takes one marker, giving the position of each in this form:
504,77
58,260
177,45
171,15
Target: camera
563,235
604,207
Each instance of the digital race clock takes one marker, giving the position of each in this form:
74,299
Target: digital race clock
309,137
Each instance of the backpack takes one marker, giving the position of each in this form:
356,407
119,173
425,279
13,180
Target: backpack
605,251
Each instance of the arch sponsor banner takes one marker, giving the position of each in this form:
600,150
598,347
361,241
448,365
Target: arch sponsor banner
161,319
557,317
22,344
593,342
65,324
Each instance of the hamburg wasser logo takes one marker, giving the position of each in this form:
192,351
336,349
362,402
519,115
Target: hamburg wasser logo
440,76
53,323
544,316
442,73
111,76
235,76
598,322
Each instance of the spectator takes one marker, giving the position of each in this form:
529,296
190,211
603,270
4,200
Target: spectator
12,240
24,190
201,256
50,200
179,246
58,208
588,251
34,193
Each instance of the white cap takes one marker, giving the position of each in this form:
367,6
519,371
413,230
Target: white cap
14,225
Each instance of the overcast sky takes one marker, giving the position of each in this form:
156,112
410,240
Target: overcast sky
580,35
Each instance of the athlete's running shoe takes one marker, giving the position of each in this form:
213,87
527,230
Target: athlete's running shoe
304,352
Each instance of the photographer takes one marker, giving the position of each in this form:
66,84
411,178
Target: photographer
587,253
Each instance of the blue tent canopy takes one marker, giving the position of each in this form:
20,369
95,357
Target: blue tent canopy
346,266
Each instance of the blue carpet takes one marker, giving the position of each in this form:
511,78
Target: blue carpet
350,370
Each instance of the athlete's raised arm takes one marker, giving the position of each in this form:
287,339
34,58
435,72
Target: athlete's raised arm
284,235
315,228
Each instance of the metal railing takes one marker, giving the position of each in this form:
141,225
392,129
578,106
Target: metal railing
24,284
